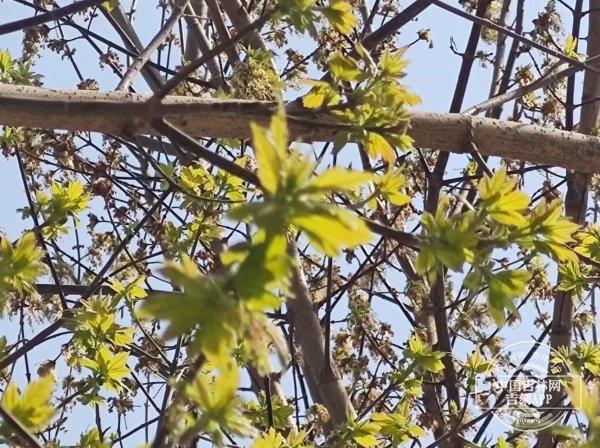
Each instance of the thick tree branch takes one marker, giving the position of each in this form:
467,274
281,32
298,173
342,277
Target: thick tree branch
324,376
127,113
201,40
241,20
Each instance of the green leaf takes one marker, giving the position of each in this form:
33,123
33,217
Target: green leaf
391,65
258,412
273,439
132,291
422,355
344,68
503,287
109,367
590,242
196,179
573,278
336,180
476,363
13,71
376,145
216,398
583,356
300,13
268,158
322,94
390,186
583,399
109,5
397,426
364,434
330,229
33,408
65,201
216,314
6,61
270,439
570,47
20,266
203,307
449,242
91,439
296,200
501,201
339,14
549,232
265,265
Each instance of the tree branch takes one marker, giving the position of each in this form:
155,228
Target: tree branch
127,113
19,430
48,16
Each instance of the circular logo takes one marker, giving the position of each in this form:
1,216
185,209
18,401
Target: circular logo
525,386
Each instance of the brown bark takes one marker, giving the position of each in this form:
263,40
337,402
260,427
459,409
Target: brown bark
240,19
324,380
219,23
120,112
201,40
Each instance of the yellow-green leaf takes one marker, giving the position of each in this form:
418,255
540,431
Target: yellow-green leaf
33,408
376,145
423,356
270,439
339,14
503,287
477,363
336,179
110,367
331,229
550,232
344,68
391,65
20,265
391,185
268,158
502,202
109,5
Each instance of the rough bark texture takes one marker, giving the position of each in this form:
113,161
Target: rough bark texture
223,32
203,44
323,377
240,19
120,112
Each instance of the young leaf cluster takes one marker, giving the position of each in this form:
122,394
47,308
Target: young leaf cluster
13,71
295,198
503,219
20,265
369,98
304,15
64,201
